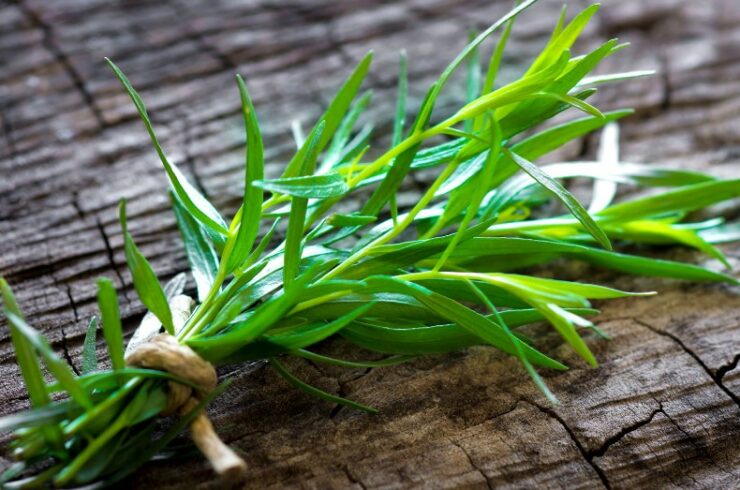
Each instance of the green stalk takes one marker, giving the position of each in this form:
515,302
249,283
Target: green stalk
397,229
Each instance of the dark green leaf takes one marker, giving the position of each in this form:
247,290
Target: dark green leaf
312,390
388,361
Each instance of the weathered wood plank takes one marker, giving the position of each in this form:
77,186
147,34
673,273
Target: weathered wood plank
661,411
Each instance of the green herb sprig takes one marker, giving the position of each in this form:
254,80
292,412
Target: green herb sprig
434,278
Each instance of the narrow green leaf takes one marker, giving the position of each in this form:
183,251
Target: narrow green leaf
197,205
412,337
653,231
576,102
437,86
401,165
519,353
402,91
61,371
24,352
298,338
509,94
201,255
575,207
342,220
528,113
145,281
339,148
400,118
476,197
332,118
254,171
465,317
615,77
565,327
29,364
480,254
472,85
687,198
496,56
259,249
308,186
389,361
112,330
312,390
564,39
89,348
298,206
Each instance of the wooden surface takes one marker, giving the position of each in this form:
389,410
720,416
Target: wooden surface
661,411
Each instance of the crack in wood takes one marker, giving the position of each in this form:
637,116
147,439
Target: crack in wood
111,257
65,347
226,62
7,128
714,377
584,453
699,448
624,431
473,464
352,478
726,368
342,392
667,95
63,59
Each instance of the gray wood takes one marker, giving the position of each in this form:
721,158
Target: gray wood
661,411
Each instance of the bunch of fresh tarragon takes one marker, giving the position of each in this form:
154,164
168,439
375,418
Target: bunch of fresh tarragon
433,278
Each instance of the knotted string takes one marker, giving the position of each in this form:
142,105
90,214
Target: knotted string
165,353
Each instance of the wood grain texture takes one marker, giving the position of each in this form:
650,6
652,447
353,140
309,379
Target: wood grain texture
661,411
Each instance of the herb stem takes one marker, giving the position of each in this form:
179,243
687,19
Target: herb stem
90,450
398,228
318,301
87,417
194,323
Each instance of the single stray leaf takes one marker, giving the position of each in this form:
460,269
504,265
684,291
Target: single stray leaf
112,330
312,390
145,281
197,205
